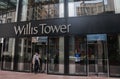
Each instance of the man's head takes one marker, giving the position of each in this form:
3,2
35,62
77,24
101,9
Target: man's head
36,53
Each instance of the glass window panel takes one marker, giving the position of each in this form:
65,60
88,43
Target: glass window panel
77,55
116,6
24,54
56,55
86,7
8,10
8,53
114,54
42,9
92,7
109,6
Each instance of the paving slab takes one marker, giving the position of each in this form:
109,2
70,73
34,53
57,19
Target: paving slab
23,75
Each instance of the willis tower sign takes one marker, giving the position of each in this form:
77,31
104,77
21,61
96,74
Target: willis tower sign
34,28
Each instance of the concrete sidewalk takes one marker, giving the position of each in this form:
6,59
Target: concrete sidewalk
22,75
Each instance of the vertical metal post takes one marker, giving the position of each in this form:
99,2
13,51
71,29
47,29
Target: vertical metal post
2,54
17,19
108,66
66,9
48,52
66,40
87,57
103,6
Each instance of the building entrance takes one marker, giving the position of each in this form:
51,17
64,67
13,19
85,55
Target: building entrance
39,45
42,50
97,56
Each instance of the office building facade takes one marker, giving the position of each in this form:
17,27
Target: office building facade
73,37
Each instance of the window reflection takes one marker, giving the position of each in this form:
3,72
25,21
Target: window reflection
90,7
7,53
114,54
77,55
44,9
7,11
56,55
109,6
117,6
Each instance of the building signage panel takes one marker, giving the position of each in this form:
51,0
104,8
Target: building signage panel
64,26
28,29
96,37
34,28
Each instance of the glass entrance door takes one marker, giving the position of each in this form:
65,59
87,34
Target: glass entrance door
43,56
97,55
92,58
